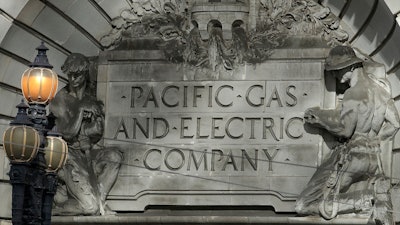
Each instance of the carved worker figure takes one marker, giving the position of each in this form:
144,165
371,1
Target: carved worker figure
90,171
351,179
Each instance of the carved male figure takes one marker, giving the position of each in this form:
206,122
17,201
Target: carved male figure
351,179
89,173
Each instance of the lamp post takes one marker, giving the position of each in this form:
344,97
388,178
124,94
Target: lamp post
36,152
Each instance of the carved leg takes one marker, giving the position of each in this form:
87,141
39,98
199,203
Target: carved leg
311,197
383,207
74,207
61,195
107,168
353,202
359,167
70,208
307,209
85,201
383,211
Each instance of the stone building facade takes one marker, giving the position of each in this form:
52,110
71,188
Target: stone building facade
205,100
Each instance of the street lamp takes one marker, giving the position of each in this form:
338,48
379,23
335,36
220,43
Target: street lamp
36,151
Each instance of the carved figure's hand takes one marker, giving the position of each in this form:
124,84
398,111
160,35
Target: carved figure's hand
87,115
91,112
311,115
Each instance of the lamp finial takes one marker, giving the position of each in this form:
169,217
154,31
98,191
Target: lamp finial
41,59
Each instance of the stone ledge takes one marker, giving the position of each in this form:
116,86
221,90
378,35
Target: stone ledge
187,220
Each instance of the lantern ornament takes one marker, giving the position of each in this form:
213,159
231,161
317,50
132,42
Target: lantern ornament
56,151
39,85
21,143
39,82
35,154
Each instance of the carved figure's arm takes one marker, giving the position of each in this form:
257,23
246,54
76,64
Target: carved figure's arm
340,122
392,122
93,125
68,123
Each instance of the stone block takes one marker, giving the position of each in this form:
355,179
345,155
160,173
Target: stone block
30,12
355,23
5,203
4,162
95,24
13,73
57,28
4,62
394,80
14,7
113,8
396,140
393,5
390,53
396,168
192,137
20,42
375,33
5,24
77,42
395,194
10,99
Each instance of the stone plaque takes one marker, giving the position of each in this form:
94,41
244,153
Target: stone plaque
190,138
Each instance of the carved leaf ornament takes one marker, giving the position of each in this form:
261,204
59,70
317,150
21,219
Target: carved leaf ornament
168,22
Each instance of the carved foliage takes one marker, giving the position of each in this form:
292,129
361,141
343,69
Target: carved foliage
300,17
163,17
167,22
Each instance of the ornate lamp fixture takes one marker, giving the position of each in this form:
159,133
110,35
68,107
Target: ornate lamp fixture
39,82
36,153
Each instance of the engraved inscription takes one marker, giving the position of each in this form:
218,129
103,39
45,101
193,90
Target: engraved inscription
191,113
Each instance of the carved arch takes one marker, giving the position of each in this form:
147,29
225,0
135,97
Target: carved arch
214,24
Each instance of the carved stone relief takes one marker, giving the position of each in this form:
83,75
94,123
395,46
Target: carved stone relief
174,30
352,178
270,98
90,170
